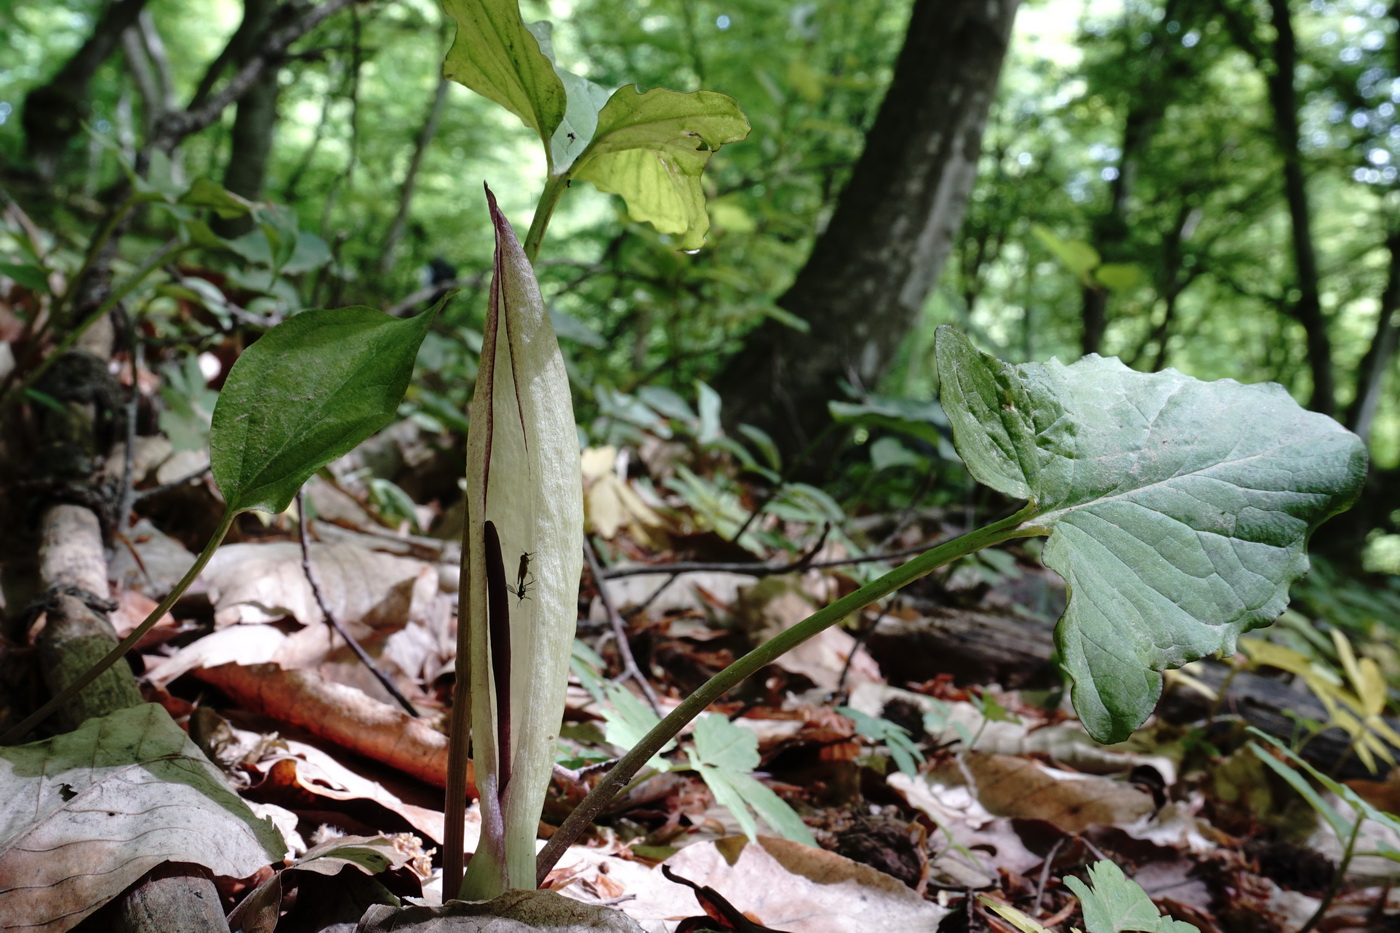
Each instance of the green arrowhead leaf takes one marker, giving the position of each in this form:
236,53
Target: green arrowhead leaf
1177,510
307,392
496,56
650,148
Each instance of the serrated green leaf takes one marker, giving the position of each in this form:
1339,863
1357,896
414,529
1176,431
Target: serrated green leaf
1338,823
767,806
629,720
724,754
307,392
721,744
1177,510
650,148
1117,904
496,56
728,796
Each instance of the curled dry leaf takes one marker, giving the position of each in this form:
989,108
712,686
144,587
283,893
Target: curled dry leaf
339,713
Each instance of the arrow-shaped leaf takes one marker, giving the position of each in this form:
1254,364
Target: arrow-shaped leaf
1177,510
307,392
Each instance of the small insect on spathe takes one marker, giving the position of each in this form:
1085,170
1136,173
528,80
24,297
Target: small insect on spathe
524,579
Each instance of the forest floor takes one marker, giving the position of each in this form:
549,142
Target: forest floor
927,747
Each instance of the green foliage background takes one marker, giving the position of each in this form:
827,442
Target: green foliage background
1205,214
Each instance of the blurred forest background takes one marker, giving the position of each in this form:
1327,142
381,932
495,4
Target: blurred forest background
1211,185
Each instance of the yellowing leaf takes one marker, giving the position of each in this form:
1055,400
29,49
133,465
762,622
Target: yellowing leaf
650,148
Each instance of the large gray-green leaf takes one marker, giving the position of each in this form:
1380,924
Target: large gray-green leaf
87,813
496,56
307,392
1177,510
650,149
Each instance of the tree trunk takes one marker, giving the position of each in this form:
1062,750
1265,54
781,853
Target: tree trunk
1375,365
1307,309
251,145
54,112
864,285
410,180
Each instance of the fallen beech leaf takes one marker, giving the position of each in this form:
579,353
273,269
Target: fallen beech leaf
259,911
237,644
515,911
341,714
609,503
148,560
788,886
304,778
981,844
1020,787
89,812
366,590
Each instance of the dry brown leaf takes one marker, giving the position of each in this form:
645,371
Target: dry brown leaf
1022,788
260,910
973,846
785,885
237,644
512,912
366,590
89,812
684,593
303,778
146,559
343,715
609,503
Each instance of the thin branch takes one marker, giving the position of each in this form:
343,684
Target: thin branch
619,627
365,659
174,127
763,569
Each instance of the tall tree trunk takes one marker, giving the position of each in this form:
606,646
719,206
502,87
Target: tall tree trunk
54,112
1283,97
254,122
1375,365
864,285
410,180
1148,96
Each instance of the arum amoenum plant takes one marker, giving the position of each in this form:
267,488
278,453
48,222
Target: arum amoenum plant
521,558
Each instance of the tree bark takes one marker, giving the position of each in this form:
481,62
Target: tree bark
54,112
864,285
410,181
1279,72
1375,365
254,122
1307,309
